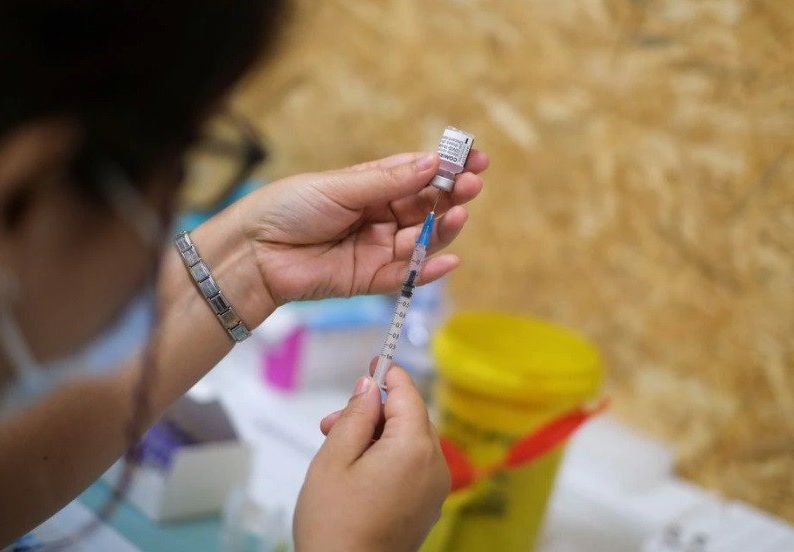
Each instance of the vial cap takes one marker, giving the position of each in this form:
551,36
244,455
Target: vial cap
443,183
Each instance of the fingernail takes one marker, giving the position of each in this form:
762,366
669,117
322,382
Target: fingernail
425,162
362,385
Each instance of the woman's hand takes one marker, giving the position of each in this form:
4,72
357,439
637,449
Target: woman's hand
383,496
352,231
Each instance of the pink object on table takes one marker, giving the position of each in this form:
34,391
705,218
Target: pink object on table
281,362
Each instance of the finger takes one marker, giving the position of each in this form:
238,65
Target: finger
356,189
445,230
404,409
373,364
353,431
438,267
390,161
328,422
412,209
477,161
389,278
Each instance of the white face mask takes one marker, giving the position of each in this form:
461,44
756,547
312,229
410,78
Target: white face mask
116,344
33,380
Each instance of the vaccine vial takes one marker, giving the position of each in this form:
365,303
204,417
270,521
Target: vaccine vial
453,150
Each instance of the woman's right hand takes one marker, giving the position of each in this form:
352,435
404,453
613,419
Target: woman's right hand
385,495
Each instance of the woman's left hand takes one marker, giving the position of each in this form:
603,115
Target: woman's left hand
352,231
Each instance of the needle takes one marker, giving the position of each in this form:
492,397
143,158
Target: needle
438,196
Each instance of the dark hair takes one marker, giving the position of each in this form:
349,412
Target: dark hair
138,76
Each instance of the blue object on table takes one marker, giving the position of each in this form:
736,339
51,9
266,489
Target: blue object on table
189,220
161,442
198,535
360,311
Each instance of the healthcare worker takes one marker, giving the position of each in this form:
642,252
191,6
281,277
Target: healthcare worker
101,324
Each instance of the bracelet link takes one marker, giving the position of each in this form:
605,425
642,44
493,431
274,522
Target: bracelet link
201,275
183,242
229,319
240,333
190,256
209,288
200,271
219,304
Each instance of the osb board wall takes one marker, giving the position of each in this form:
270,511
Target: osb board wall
641,191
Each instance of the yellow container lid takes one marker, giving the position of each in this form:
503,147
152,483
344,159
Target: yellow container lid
516,358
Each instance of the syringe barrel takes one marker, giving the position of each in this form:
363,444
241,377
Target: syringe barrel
404,301
398,318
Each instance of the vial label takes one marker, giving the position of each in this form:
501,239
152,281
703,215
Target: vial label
455,145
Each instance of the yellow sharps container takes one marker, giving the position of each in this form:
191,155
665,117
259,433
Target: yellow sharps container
502,377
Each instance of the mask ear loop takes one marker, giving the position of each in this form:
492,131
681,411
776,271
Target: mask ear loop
23,363
128,203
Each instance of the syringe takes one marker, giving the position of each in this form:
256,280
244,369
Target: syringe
404,300
453,149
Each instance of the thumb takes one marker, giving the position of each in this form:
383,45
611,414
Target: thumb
352,434
356,189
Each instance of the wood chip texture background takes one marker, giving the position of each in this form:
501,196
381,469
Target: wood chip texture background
641,188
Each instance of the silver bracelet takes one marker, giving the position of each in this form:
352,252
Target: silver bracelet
208,287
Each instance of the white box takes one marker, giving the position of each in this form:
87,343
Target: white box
199,476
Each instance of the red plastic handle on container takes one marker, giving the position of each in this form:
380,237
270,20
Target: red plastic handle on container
525,450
